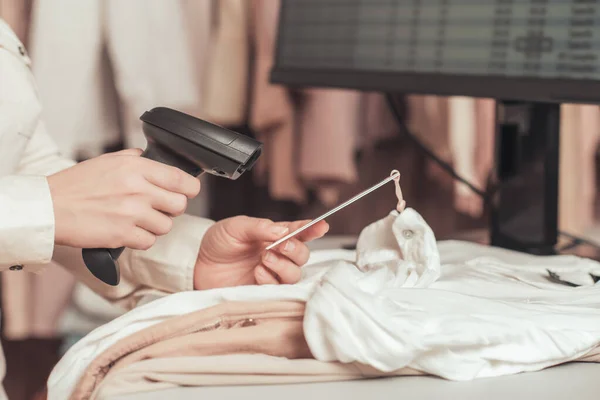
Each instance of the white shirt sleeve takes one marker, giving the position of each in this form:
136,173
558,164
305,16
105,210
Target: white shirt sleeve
27,222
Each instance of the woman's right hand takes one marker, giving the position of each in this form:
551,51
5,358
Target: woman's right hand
118,199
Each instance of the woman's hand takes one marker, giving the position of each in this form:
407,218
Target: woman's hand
118,199
233,253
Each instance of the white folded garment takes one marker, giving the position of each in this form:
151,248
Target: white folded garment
480,312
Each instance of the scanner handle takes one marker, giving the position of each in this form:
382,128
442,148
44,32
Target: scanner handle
103,263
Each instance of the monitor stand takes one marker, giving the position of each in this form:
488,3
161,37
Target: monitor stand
524,206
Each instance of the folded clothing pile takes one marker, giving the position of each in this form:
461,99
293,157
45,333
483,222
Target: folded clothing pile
402,304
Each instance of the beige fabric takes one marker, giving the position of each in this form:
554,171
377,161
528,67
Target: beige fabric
260,327
27,155
273,328
239,369
227,370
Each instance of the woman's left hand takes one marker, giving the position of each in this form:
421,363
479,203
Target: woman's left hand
232,253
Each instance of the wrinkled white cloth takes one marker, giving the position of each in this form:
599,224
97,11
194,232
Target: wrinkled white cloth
466,312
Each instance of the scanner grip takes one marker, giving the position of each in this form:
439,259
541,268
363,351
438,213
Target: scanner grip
103,263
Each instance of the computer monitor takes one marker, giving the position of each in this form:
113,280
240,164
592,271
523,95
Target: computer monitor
533,50
530,55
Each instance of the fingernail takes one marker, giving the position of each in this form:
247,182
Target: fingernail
279,230
269,257
289,246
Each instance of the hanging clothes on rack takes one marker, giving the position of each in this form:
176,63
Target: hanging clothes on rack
473,137
379,124
463,140
311,135
328,125
134,54
428,120
579,134
225,88
272,115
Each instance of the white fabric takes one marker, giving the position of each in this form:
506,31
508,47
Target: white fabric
490,312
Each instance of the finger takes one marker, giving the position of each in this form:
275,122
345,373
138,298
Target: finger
140,239
314,232
155,222
248,229
287,271
295,250
171,179
264,277
173,204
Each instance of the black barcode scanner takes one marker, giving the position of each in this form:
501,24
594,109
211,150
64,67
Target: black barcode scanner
188,143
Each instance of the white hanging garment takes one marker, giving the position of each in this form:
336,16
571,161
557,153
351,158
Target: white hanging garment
100,64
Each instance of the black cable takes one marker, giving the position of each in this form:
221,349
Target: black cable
486,196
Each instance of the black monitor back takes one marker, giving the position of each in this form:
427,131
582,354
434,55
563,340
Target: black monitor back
530,55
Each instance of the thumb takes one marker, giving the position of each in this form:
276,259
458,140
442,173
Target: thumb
250,229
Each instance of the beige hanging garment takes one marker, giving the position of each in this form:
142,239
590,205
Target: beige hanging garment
579,131
379,124
73,75
428,120
328,122
272,111
485,123
225,89
463,139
